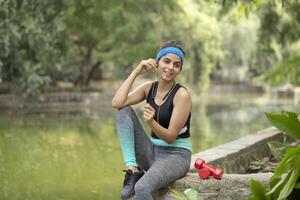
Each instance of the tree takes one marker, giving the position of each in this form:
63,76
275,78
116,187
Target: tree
239,44
116,32
196,25
281,24
31,42
278,37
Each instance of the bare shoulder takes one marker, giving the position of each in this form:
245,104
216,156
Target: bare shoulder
183,94
147,84
146,87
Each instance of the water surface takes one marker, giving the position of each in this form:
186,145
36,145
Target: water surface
71,156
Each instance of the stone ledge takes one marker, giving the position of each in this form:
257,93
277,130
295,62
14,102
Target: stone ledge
231,187
56,100
234,157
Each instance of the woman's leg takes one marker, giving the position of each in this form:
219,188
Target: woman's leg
170,164
136,146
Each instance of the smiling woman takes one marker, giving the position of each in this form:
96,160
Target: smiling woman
153,163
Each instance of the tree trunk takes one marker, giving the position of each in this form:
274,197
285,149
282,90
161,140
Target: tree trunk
92,71
197,72
82,79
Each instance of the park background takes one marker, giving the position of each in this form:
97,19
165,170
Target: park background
242,59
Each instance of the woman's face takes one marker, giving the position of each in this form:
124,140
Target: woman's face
169,66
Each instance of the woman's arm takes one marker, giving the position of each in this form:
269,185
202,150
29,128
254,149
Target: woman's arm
122,98
181,110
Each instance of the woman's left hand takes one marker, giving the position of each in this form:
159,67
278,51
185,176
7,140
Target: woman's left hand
149,113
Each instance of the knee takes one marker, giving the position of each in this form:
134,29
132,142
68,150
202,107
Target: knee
142,189
124,111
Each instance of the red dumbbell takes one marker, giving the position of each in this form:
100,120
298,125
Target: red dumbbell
215,172
204,173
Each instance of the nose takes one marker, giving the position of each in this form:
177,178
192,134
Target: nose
170,66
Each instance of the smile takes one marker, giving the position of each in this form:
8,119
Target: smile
168,73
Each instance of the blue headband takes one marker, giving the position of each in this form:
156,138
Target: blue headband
172,50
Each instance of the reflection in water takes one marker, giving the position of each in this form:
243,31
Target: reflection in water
52,158
76,155
218,122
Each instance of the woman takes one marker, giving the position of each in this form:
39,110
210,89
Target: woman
152,163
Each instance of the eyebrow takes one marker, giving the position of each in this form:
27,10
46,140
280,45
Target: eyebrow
172,60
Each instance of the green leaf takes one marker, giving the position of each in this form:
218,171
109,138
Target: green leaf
258,190
257,4
285,164
282,186
192,194
288,187
274,180
297,185
241,11
286,70
286,122
278,149
278,187
177,195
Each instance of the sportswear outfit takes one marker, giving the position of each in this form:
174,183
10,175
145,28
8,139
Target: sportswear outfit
163,162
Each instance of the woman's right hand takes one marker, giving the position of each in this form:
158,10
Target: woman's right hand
145,66
149,113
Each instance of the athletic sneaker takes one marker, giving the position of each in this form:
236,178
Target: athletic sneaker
129,183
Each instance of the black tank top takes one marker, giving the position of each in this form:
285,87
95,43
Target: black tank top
164,112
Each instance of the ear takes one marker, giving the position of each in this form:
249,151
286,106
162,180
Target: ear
157,63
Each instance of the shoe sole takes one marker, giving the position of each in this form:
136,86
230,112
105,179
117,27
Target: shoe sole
126,198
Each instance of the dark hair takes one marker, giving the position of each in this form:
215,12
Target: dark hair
172,43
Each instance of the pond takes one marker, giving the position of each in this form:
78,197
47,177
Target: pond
71,156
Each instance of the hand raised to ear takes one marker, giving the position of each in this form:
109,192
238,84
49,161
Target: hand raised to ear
145,66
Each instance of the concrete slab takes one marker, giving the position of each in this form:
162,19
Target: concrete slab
234,157
247,148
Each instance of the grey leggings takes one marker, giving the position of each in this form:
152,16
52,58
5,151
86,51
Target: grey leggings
163,164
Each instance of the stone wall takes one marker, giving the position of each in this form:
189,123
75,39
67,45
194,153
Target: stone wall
88,104
234,157
56,99
231,187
